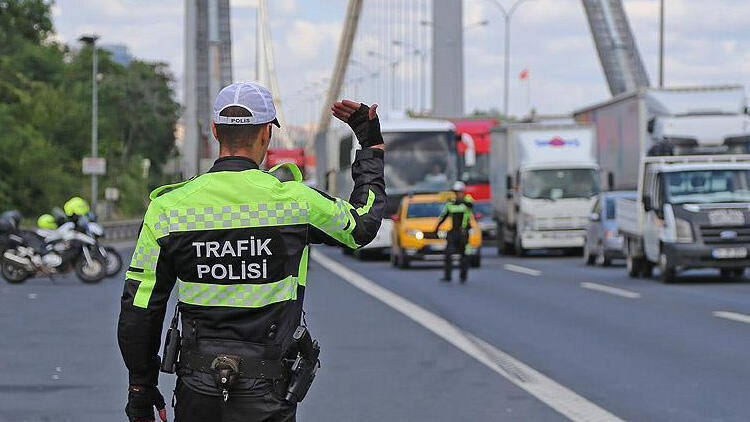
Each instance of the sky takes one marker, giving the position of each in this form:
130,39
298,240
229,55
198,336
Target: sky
705,44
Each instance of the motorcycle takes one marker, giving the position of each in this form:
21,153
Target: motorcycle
51,252
110,254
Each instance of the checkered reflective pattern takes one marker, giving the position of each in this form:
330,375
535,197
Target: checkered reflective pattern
145,258
237,295
342,216
233,216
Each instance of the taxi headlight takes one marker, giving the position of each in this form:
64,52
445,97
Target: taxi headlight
417,234
683,231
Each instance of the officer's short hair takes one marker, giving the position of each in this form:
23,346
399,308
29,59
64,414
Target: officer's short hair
237,135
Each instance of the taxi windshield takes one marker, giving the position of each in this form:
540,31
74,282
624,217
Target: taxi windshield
424,209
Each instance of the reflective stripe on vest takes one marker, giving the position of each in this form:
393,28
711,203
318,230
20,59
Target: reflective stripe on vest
237,295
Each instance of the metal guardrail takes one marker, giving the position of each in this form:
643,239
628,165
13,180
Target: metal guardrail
121,230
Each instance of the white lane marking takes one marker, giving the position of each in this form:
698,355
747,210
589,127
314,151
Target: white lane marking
522,270
556,396
734,316
611,290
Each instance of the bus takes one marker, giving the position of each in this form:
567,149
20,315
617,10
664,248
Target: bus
420,158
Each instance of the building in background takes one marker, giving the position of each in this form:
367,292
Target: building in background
120,53
208,67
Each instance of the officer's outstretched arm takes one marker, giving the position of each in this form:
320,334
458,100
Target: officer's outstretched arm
148,284
443,217
352,223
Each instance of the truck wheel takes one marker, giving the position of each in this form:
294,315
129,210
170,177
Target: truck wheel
603,260
394,262
588,259
668,272
520,251
503,247
630,264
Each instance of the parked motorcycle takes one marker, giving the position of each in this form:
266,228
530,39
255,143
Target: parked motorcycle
85,223
110,254
45,252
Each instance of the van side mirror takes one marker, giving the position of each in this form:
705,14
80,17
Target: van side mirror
594,216
508,183
647,203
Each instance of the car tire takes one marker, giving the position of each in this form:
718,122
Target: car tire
476,261
602,259
403,260
668,272
588,259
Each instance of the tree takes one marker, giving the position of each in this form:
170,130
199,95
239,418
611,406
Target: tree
45,112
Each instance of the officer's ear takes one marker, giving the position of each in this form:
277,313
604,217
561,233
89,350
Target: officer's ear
213,130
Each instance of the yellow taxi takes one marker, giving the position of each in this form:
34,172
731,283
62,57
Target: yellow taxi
413,237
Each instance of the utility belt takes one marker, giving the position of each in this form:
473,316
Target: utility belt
294,376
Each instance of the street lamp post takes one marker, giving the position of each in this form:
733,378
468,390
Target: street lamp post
393,63
91,41
422,71
661,44
507,15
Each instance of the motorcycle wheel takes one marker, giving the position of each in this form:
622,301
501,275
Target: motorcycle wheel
91,274
114,261
13,273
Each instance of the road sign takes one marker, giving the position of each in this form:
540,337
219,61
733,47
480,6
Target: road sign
111,194
94,165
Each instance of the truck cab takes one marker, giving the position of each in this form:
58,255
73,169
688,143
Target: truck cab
690,212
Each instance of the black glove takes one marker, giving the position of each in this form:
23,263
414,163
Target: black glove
141,402
367,131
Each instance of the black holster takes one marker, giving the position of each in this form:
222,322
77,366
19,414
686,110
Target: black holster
305,366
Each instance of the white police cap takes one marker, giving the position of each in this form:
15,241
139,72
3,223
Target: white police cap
253,97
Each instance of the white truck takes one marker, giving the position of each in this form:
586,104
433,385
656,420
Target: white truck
690,212
543,179
698,119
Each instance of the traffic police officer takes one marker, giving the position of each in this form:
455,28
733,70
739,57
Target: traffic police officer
235,242
459,210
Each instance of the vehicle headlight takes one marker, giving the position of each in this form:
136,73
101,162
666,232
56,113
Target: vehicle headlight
528,221
417,234
683,231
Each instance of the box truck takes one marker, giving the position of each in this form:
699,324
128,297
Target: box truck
698,119
544,179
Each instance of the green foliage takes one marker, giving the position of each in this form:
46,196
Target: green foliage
45,117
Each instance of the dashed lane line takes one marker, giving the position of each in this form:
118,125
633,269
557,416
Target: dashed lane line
734,316
558,397
522,270
610,290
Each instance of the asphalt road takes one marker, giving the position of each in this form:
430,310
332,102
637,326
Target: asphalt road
636,348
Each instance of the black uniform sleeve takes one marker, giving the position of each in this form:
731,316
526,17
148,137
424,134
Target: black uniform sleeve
352,223
148,284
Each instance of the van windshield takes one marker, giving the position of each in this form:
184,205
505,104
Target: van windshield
559,183
707,186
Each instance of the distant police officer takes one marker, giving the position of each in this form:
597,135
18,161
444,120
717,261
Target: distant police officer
459,210
235,241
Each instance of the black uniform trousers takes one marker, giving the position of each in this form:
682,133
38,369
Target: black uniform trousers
456,244
192,406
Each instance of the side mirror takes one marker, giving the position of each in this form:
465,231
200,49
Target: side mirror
647,204
594,216
508,183
611,180
395,218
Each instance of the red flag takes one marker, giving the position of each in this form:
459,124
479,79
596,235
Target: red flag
524,75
